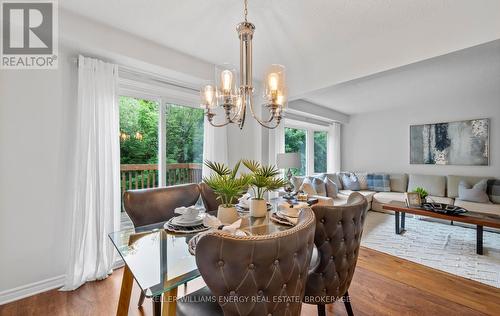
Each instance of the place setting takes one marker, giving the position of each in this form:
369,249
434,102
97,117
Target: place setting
243,205
190,220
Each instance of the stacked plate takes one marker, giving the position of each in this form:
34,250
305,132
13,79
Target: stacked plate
286,216
183,224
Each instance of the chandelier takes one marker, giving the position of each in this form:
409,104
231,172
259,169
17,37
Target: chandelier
234,100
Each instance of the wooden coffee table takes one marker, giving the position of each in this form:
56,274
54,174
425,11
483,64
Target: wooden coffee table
479,219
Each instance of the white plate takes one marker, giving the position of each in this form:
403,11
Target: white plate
185,222
269,206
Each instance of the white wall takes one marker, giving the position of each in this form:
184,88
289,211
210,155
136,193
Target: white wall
460,86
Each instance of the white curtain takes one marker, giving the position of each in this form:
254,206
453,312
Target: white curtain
96,205
333,164
214,145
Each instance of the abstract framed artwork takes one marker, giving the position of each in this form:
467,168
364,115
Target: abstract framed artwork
451,143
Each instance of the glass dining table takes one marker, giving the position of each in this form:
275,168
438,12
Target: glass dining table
160,261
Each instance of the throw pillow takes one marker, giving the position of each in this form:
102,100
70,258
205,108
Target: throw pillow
494,191
308,187
477,193
319,186
335,178
350,182
362,178
297,182
331,188
378,182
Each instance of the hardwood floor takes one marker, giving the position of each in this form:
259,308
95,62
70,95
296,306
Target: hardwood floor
382,285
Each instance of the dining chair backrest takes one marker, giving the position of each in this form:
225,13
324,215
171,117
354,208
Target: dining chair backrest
209,198
337,238
149,206
258,275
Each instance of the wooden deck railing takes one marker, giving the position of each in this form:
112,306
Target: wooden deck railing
141,176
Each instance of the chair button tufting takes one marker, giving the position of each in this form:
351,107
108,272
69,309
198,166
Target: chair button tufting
340,222
324,290
284,286
260,292
220,263
327,239
276,262
251,266
232,293
295,254
332,257
322,220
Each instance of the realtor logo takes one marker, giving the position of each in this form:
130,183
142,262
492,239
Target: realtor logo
29,35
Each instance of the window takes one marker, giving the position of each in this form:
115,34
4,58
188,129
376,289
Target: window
138,143
311,141
184,143
320,151
295,142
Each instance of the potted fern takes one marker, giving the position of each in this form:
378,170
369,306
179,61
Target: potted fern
228,186
263,179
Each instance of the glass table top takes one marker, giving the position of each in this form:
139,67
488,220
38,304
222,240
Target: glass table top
160,260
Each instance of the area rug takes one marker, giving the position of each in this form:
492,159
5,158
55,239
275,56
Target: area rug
445,247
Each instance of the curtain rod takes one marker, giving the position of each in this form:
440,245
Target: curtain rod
152,76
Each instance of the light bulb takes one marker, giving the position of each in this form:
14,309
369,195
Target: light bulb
273,80
226,80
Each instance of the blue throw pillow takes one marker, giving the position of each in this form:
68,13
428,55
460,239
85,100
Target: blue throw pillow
350,182
378,182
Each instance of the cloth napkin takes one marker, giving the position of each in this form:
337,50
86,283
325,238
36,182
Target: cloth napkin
214,223
183,209
244,200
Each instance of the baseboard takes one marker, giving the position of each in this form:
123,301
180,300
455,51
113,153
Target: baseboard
23,291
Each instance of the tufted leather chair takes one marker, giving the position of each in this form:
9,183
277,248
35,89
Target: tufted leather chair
148,206
255,275
209,198
337,238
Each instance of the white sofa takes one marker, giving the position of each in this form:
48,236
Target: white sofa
441,189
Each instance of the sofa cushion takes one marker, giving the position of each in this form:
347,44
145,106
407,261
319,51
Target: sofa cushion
453,181
488,208
434,185
399,182
331,188
367,194
475,193
494,191
388,197
350,182
379,182
363,180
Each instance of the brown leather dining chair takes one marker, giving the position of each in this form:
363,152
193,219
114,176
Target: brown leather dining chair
252,275
154,205
337,238
208,197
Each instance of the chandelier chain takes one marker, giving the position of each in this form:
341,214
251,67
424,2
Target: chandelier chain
246,10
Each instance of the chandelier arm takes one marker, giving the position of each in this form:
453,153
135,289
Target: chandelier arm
261,122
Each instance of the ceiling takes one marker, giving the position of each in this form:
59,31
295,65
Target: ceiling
448,77
321,42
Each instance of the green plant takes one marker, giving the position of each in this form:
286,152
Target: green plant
225,182
263,178
422,192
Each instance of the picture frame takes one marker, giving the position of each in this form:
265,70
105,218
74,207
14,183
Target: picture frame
413,199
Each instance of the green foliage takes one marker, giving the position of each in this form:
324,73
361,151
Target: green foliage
263,178
225,182
320,150
184,132
295,142
422,192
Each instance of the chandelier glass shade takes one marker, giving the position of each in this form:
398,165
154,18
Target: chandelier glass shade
233,92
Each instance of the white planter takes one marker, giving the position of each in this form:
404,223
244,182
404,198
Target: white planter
227,215
258,208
